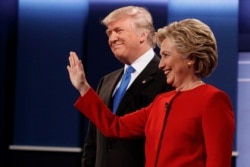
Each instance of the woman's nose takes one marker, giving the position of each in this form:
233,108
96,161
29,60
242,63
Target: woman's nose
161,65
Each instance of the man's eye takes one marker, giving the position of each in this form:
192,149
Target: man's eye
119,31
108,34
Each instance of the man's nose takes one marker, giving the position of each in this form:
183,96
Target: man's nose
113,37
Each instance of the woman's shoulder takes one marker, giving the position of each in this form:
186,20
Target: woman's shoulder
211,91
208,88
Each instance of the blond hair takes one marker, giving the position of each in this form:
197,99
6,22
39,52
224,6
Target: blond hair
195,39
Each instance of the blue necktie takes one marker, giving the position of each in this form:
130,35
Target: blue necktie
122,88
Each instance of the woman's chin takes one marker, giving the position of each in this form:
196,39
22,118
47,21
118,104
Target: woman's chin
170,82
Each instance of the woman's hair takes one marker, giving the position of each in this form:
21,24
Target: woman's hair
142,19
192,38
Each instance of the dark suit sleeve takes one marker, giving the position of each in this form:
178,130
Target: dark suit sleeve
89,147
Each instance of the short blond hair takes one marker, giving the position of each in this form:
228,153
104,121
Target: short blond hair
142,19
192,38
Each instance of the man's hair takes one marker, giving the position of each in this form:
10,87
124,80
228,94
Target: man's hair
141,17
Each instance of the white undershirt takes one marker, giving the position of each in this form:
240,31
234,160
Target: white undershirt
139,64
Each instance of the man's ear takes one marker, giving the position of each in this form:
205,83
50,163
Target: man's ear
143,36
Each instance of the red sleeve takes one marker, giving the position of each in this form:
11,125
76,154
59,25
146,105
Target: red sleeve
218,126
130,125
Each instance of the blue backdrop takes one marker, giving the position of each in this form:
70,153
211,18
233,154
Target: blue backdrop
47,31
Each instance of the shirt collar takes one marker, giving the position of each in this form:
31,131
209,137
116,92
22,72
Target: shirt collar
140,63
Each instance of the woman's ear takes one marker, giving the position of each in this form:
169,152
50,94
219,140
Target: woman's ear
191,59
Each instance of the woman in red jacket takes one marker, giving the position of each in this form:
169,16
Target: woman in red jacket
191,126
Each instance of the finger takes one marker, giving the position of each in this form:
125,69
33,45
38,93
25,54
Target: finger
80,64
71,62
69,67
74,56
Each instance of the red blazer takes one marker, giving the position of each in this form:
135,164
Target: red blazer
193,128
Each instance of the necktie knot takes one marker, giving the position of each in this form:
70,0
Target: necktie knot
122,88
130,69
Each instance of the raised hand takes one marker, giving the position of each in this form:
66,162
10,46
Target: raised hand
77,74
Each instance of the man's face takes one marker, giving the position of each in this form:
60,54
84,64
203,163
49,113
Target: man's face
123,40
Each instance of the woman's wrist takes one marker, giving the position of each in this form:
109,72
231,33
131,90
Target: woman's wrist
82,90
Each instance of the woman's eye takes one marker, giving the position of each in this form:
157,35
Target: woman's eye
164,55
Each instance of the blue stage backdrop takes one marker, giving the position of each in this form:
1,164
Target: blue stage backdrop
48,30
243,116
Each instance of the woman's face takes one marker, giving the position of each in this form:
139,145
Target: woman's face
174,64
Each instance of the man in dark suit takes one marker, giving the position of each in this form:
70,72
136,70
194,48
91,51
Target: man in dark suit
130,34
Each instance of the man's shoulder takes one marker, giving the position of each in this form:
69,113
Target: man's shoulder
113,73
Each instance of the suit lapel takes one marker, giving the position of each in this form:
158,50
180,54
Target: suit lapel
143,79
145,76
108,85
